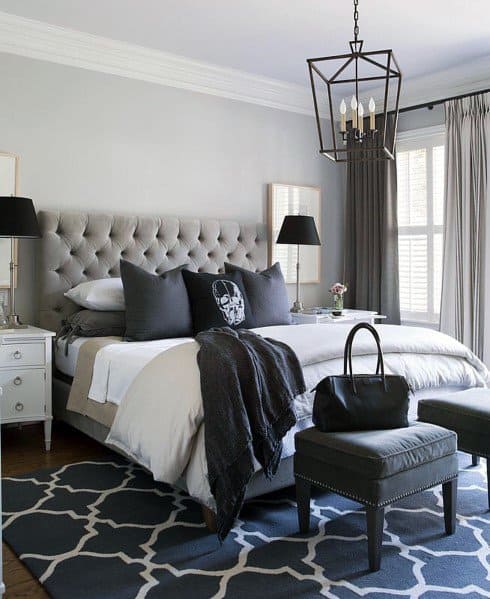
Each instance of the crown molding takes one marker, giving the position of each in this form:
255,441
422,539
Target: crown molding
42,41
35,39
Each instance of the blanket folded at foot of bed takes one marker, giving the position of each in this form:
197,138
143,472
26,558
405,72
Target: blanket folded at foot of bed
248,386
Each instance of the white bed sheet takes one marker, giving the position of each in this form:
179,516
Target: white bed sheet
66,361
117,365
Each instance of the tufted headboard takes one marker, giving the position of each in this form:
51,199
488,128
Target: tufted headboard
80,246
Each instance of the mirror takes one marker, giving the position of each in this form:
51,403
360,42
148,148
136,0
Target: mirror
294,199
9,185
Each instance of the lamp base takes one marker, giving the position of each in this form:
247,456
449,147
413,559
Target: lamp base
13,322
297,307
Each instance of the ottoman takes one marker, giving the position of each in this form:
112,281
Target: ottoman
376,468
468,414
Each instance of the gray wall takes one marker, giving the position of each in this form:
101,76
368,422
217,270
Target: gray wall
423,117
90,141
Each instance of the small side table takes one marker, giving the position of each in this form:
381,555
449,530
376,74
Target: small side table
348,317
25,377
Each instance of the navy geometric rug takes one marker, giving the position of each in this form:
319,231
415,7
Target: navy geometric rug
106,530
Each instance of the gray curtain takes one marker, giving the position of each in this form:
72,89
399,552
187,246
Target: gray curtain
466,270
371,236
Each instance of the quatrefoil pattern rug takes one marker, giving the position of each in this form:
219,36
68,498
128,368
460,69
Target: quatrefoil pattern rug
103,530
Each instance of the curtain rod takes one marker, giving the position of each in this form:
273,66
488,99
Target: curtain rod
430,105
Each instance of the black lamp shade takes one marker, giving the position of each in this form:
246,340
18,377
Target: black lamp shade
18,218
298,230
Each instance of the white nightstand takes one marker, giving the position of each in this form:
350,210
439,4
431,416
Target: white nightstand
25,377
348,317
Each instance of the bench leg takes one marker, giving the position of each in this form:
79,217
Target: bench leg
375,519
449,495
475,460
303,495
488,480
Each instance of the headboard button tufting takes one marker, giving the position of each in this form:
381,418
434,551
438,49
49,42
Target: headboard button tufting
101,238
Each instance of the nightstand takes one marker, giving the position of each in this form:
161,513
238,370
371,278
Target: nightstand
25,377
348,317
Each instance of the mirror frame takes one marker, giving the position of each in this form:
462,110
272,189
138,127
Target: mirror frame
16,193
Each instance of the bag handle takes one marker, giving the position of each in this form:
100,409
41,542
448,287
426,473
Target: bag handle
348,351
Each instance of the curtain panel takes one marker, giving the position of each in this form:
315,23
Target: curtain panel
371,237
466,270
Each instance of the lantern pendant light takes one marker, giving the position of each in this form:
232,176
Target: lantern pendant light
356,75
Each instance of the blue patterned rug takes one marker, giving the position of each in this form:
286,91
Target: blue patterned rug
106,530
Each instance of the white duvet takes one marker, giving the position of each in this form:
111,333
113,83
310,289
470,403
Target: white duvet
159,422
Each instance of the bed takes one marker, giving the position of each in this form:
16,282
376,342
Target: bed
83,246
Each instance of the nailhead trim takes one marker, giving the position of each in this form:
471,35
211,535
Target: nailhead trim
364,501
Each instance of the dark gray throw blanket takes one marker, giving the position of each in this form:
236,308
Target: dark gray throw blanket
248,385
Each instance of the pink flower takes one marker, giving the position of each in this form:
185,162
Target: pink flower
338,289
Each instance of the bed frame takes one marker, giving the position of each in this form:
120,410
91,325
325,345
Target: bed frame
81,246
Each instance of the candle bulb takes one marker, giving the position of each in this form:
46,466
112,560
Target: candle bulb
343,110
360,112
372,108
353,105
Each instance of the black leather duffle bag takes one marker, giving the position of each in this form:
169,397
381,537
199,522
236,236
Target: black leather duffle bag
355,402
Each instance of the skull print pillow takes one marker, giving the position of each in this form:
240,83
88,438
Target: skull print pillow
218,301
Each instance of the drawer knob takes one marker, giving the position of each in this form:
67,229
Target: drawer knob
17,380
19,406
17,355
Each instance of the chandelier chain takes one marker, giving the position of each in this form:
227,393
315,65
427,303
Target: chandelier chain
356,18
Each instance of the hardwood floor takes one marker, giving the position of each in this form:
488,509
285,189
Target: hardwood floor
23,451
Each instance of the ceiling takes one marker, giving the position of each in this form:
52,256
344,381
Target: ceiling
274,37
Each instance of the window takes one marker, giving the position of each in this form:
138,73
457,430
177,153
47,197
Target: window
420,171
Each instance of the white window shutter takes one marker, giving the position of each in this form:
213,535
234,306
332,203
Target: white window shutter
420,172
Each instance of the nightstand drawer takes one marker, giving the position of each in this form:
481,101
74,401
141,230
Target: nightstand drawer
22,354
23,394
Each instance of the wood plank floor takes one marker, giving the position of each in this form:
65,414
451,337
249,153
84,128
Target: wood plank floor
22,452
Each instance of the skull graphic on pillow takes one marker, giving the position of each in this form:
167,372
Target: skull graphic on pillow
229,299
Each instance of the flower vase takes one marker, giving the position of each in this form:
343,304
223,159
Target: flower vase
338,304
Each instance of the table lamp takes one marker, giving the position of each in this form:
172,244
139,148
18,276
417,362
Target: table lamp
17,220
298,230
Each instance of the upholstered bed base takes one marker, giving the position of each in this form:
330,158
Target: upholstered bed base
259,485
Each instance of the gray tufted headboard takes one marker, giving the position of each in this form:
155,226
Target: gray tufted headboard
80,246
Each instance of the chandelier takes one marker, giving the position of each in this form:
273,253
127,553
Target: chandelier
357,76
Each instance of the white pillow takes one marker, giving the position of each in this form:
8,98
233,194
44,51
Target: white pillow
101,294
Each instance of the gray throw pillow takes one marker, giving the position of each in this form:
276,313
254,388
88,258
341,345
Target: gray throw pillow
267,294
92,323
157,306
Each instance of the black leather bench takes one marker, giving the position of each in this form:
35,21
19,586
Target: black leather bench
377,468
468,414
